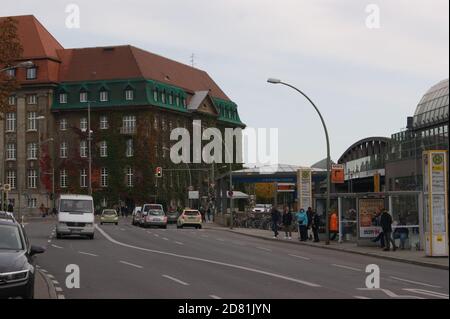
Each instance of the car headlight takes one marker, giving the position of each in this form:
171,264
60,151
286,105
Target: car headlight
14,276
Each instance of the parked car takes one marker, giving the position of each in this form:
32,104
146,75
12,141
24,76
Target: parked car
172,217
109,216
154,217
262,208
135,215
190,217
17,264
75,216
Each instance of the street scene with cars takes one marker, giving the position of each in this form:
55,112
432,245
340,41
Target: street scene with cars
134,167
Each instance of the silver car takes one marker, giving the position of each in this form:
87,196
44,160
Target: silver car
154,217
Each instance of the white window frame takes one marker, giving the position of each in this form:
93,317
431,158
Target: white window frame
63,178
170,98
83,178
63,124
129,94
32,151
129,122
11,152
11,72
83,97
83,124
103,96
155,95
177,100
62,98
63,150
11,179
32,202
12,100
83,148
32,99
32,121
11,121
129,148
31,73
130,176
32,178
163,97
103,149
103,122
104,177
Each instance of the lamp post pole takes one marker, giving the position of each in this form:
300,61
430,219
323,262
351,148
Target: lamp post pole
89,150
276,81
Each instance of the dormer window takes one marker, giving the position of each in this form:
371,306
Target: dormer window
163,97
103,96
170,98
63,98
129,94
83,97
31,73
177,100
155,95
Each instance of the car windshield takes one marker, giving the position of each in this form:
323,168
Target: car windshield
109,212
191,213
75,206
156,212
10,238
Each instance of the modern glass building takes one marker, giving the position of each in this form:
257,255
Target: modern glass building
426,130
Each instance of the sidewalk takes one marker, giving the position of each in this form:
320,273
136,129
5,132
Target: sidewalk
406,256
43,287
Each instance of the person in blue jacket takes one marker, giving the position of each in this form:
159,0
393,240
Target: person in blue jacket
302,219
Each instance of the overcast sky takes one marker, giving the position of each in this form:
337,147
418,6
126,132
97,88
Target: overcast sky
365,81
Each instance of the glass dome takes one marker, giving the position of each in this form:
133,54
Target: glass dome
433,107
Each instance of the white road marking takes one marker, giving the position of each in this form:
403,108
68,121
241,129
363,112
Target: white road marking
361,297
215,297
179,243
205,236
414,282
61,297
346,267
43,270
156,235
301,257
214,262
164,238
176,280
122,229
89,254
50,276
55,282
49,241
58,289
220,239
149,232
390,293
263,248
130,264
59,247
428,293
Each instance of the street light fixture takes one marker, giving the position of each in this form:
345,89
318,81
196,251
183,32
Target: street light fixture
277,81
23,64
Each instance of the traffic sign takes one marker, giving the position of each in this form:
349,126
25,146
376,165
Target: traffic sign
230,193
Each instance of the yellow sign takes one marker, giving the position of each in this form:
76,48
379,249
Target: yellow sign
337,174
376,183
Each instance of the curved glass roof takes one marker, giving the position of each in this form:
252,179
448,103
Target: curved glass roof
433,107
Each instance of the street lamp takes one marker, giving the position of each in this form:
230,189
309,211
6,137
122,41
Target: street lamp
23,64
277,81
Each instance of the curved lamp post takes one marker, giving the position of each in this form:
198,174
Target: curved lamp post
277,81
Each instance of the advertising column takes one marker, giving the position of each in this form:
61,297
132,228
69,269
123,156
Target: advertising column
435,203
304,188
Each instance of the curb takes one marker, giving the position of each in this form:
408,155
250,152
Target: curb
393,258
50,287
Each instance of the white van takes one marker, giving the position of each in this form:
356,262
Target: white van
75,216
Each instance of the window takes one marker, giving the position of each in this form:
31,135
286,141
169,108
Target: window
163,124
11,72
31,73
63,124
129,121
32,99
32,122
129,149
130,174
163,97
177,100
12,100
83,124
83,97
155,122
32,178
83,149
170,98
83,178
63,98
104,177
32,202
103,96
104,202
11,179
10,152
103,149
155,95
129,94
63,178
32,151
63,150
103,122
10,122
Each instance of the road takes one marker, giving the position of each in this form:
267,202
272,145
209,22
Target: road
125,261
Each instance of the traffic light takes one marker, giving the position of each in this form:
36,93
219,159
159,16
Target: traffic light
158,171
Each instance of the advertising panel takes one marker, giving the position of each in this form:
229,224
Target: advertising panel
369,209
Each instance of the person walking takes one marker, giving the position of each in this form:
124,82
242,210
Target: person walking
386,225
302,219
401,232
315,226
380,236
208,212
309,213
10,208
287,223
334,227
275,217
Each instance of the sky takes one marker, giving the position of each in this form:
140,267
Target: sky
366,69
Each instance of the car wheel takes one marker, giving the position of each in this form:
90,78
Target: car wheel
91,236
116,224
165,227
58,236
199,227
29,294
101,223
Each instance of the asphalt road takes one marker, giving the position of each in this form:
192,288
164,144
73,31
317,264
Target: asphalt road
125,261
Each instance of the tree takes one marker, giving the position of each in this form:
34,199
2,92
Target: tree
10,50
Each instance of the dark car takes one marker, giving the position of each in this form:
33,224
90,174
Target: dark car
17,269
172,217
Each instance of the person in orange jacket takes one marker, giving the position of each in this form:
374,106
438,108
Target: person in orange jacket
334,225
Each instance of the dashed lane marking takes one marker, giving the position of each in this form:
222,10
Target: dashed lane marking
179,243
361,297
264,248
56,246
215,297
427,293
130,264
176,280
390,294
414,282
346,267
89,254
301,257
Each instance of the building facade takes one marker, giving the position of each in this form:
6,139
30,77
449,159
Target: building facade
131,100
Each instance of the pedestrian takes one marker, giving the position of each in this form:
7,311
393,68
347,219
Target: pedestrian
302,219
315,226
386,225
10,208
334,227
380,236
401,232
287,223
275,217
208,212
309,213
42,209
54,211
